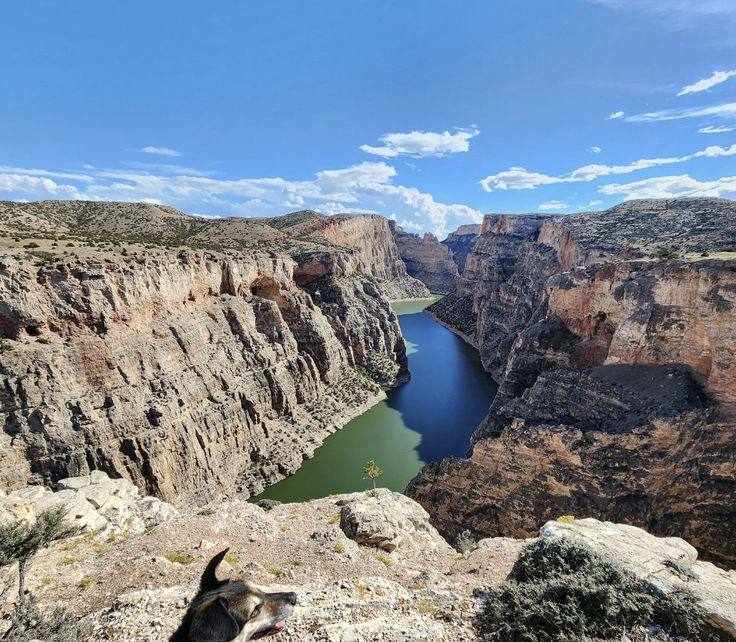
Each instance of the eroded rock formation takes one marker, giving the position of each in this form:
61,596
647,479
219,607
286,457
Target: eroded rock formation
612,338
189,372
460,243
428,260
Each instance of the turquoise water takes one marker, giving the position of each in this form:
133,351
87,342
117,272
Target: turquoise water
430,417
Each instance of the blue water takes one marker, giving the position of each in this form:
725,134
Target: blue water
430,417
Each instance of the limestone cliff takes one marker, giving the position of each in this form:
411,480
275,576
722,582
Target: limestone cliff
460,243
427,259
191,372
363,241
611,336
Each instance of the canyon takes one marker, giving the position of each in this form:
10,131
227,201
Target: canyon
428,260
199,357
159,369
611,336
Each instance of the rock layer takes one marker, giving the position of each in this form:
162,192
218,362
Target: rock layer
460,243
428,260
611,337
189,372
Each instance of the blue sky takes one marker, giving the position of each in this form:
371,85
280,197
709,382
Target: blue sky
431,112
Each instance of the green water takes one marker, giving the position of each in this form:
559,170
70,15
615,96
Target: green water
430,417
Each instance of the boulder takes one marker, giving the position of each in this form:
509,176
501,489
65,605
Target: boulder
668,563
388,520
93,503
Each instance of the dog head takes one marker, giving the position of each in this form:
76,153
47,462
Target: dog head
225,610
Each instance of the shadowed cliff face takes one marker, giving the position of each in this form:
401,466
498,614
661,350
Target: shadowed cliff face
193,373
460,243
616,373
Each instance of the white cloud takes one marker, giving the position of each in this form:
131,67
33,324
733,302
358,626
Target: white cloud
518,178
716,78
615,115
712,129
35,186
418,144
727,110
553,206
365,187
159,151
86,178
596,150
593,204
672,187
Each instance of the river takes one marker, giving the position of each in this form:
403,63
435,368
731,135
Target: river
430,417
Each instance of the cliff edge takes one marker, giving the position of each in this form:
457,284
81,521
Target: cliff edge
611,336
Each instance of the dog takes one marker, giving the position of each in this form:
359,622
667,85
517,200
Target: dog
230,610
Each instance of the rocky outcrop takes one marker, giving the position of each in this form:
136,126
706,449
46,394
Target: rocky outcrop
364,242
93,505
669,564
611,337
191,373
137,587
373,248
460,243
388,520
428,260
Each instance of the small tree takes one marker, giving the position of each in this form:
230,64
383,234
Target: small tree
19,542
372,471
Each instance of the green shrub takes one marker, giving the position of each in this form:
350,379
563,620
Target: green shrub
29,624
19,542
559,590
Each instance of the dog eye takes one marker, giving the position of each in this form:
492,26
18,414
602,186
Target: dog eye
256,610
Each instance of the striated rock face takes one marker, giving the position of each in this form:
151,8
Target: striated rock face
616,373
460,243
428,260
189,372
371,244
365,243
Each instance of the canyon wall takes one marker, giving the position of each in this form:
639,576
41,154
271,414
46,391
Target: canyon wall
192,373
612,338
460,243
428,260
375,251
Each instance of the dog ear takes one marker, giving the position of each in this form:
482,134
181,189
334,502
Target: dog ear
215,624
209,579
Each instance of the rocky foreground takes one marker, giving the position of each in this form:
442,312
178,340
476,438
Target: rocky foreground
366,566
612,337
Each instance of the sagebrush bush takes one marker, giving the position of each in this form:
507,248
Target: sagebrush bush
19,542
29,624
559,590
